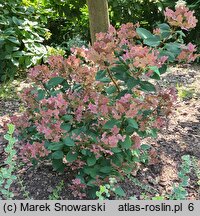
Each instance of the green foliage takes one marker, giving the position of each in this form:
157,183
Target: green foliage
69,23
6,173
185,92
21,36
56,191
110,189
25,193
146,188
196,168
144,11
179,192
8,90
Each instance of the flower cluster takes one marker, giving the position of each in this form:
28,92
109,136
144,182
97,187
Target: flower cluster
181,17
35,151
187,54
143,57
77,188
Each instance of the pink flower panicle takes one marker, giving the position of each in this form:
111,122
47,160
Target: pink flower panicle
78,188
181,17
187,53
33,151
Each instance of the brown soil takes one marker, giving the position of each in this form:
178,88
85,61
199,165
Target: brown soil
181,137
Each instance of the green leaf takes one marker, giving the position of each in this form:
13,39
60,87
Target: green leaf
91,161
71,156
153,41
68,141
77,87
122,93
77,131
120,192
41,94
164,26
145,147
17,54
111,90
132,82
7,137
65,126
132,123
14,40
164,30
143,33
127,169
156,74
106,169
163,69
8,183
158,198
15,62
173,48
11,128
93,135
120,68
116,150
147,86
67,117
85,152
153,132
55,81
57,155
127,143
58,165
171,56
65,85
117,159
16,21
54,145
132,126
92,171
91,182
101,76
120,72
182,34
111,123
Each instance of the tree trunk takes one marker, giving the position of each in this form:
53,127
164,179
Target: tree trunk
99,18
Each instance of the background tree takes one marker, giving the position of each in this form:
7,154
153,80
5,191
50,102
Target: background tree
98,16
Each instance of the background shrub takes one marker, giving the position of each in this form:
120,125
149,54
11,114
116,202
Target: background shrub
21,37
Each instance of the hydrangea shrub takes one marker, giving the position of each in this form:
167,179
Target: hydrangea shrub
89,112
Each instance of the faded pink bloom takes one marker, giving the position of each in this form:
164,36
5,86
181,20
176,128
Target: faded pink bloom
113,140
128,31
93,108
137,141
115,130
187,53
181,17
156,31
35,150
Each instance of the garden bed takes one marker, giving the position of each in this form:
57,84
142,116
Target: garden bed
181,137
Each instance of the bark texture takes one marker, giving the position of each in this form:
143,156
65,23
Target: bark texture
99,17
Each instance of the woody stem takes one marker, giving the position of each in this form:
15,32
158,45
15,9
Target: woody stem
110,75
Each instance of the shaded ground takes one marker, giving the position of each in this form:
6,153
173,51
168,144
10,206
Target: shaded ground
182,137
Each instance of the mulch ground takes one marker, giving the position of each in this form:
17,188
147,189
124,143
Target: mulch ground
181,137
